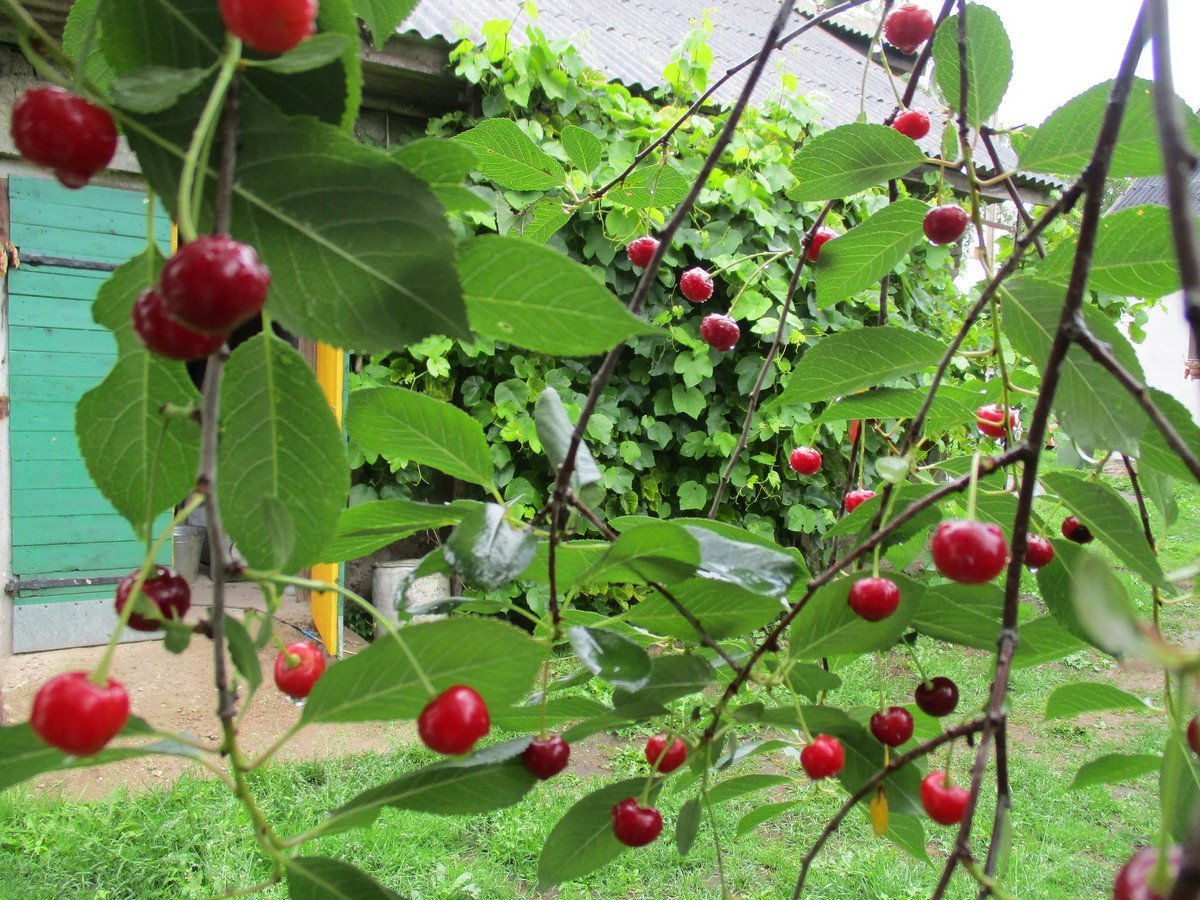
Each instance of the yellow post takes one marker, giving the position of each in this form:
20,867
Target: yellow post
331,374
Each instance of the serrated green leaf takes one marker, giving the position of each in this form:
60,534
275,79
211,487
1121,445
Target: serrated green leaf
244,655
989,62
864,254
687,826
827,626
486,551
554,430
758,569
763,813
671,676
281,460
849,159
508,157
23,755
651,187
319,50
848,361
155,88
656,551
809,680
443,165
113,306
1103,608
1179,788
1077,698
142,460
1056,583
968,615
732,788
951,407
583,148
864,758
1044,640
398,423
1155,452
364,528
534,297
382,16
544,219
616,659
381,683
322,878
1115,767
723,611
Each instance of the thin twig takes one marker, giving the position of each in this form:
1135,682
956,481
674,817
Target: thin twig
989,145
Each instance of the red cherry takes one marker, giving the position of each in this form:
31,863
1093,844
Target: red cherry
1038,552
54,128
297,680
641,251
454,720
270,26
938,697
907,27
1074,530
161,334
913,123
636,826
945,224
720,332
805,460
945,803
213,284
968,551
546,758
78,716
696,285
1132,881
662,758
165,589
1193,735
874,598
990,420
822,236
823,757
855,499
892,727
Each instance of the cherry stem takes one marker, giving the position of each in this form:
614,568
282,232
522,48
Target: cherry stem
79,77
879,671
973,487
912,652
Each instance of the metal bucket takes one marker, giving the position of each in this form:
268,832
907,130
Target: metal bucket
387,580
189,541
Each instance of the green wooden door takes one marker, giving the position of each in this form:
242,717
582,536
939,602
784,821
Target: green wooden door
62,527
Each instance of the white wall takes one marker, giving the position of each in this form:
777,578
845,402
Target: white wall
1163,352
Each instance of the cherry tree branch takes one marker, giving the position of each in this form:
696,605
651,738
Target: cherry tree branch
985,134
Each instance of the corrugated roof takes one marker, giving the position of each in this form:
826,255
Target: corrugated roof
1145,191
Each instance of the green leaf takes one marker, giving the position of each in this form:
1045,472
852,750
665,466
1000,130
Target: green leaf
508,157
763,813
382,16
732,788
1110,519
156,88
951,407
583,840
864,757
811,681
537,298
1091,405
723,611
849,159
322,878
244,654
758,569
398,423
531,716
571,559
583,148
364,528
1179,788
114,301
864,254
827,626
1044,640
848,361
1115,767
142,461
968,615
1156,453
907,833
281,458
1103,607
1065,142
1134,255
671,676
1077,698
554,430
319,50
687,826
989,62
657,551
443,165
543,220
381,683
651,187
616,659
488,552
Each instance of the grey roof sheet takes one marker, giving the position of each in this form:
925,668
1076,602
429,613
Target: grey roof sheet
1145,191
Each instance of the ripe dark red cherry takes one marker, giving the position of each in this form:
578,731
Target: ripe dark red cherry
636,826
937,697
214,284
663,758
944,802
913,123
907,27
1074,530
990,420
1193,735
1132,881
805,460
297,678
161,334
696,285
945,224
454,720
641,251
61,131
270,26
893,727
874,598
720,332
969,551
546,758
855,499
164,589
1038,552
823,235
823,757
76,715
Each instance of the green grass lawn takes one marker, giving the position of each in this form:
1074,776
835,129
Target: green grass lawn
192,840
